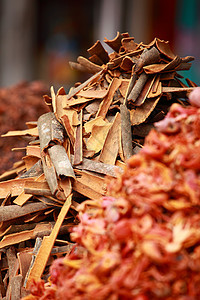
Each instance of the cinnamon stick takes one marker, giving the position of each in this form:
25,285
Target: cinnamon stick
138,87
46,246
126,132
78,146
10,212
146,58
50,130
61,161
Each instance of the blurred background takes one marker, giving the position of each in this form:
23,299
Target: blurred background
38,38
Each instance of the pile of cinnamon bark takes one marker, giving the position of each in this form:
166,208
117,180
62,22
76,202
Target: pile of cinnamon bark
87,135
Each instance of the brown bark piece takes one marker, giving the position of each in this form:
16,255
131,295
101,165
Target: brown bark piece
80,100
117,61
105,104
145,91
47,245
16,284
93,181
85,190
61,161
37,188
96,60
127,63
115,43
78,145
50,130
141,113
157,68
126,132
14,211
98,136
131,84
98,167
94,78
146,58
32,132
128,44
13,186
50,173
138,87
164,48
88,65
155,91
111,146
69,129
169,89
18,237
98,50
155,84
92,93
34,171
33,151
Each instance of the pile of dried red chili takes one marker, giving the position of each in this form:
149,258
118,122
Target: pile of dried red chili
143,240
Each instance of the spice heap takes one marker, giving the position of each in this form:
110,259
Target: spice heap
18,104
88,134
143,240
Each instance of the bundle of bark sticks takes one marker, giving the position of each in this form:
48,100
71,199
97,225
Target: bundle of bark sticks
87,135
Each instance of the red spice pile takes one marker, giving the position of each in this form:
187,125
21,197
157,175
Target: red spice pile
143,240
18,104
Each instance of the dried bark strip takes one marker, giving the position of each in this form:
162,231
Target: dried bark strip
111,146
50,173
98,49
93,181
126,132
166,89
115,43
74,91
13,265
15,238
98,167
47,245
33,151
88,65
61,161
137,88
35,171
157,68
146,58
68,128
85,190
141,113
145,91
37,246
93,93
13,186
31,132
105,104
78,146
75,102
117,61
11,212
16,284
131,84
24,197
50,130
37,188
98,135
